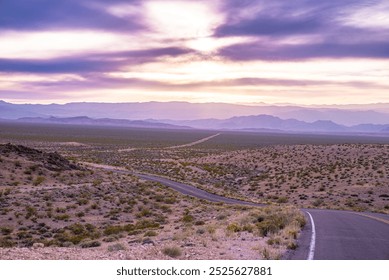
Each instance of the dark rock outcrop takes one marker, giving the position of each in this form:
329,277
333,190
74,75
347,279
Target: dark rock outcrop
51,161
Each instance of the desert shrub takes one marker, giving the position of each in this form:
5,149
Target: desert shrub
211,229
23,234
80,214
77,234
109,230
274,241
129,227
77,229
150,233
172,252
221,217
116,247
300,219
144,213
60,210
233,228
6,242
39,180
270,254
97,182
143,224
292,245
282,199
187,218
248,228
170,200
111,238
33,168
317,202
272,224
90,243
62,237
94,206
30,211
63,217
166,209
82,201
6,230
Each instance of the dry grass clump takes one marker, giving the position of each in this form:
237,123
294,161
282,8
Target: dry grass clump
116,247
280,226
172,251
269,220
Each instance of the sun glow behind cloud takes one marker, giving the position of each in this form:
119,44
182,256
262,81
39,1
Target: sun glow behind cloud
181,20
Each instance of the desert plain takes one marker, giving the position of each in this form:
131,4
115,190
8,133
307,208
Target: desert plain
71,192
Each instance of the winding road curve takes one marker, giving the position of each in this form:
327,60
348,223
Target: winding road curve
329,234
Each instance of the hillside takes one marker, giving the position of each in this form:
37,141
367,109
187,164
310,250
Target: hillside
49,161
60,211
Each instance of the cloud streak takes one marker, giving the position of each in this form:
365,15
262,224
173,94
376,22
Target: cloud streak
98,62
64,14
260,51
270,26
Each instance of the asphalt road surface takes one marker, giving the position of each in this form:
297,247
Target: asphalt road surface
344,235
195,192
328,235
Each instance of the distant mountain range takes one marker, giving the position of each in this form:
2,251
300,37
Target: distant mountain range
83,120
347,115
219,116
268,123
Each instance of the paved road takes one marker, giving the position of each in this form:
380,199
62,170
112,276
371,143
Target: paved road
344,235
195,192
329,234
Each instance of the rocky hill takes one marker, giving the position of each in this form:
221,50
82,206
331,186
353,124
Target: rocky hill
50,161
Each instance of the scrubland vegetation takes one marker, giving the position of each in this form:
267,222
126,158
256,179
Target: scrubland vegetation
77,206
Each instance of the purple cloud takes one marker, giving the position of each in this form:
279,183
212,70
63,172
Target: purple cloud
284,19
98,62
269,26
260,51
64,14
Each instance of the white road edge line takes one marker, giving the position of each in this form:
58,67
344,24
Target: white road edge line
311,254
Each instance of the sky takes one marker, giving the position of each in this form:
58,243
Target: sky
249,51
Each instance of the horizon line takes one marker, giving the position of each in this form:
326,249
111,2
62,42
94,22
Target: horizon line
253,104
